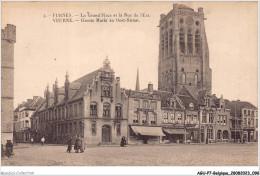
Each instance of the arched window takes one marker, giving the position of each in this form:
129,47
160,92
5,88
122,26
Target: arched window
162,46
118,111
166,44
170,42
196,79
190,41
93,108
219,134
182,41
106,110
197,42
183,78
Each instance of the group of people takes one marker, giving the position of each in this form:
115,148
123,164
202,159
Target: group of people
8,150
78,146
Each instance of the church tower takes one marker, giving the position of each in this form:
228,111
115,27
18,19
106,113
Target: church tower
183,52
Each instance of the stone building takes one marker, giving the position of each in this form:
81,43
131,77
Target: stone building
22,121
8,38
144,116
93,106
183,50
245,114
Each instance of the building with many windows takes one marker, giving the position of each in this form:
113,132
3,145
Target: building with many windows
93,106
22,122
245,115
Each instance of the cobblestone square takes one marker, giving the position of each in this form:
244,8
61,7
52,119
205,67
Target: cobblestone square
145,155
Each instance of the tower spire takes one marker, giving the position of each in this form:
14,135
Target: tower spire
137,86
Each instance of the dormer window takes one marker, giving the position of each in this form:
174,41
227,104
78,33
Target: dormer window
207,102
191,106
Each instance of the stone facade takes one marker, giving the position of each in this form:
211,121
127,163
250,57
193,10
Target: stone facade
8,38
183,52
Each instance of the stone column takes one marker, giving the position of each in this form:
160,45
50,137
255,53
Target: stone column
8,38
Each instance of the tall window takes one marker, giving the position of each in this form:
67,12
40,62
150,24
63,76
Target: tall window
136,104
183,78
153,118
170,42
106,90
75,110
145,104
210,132
196,79
135,117
106,110
190,41
165,117
211,118
153,105
80,109
245,122
207,102
118,111
118,129
93,108
225,120
197,42
195,118
166,44
93,127
179,117
204,117
172,117
182,41
144,118
162,47
71,111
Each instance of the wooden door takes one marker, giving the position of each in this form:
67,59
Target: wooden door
106,133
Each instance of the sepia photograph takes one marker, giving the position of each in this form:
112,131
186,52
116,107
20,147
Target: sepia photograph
132,83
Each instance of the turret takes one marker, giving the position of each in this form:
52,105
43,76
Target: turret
67,85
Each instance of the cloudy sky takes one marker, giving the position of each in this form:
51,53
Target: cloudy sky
45,50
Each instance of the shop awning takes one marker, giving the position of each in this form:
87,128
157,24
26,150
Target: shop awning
175,131
148,131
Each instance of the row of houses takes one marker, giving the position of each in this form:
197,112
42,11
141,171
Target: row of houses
98,109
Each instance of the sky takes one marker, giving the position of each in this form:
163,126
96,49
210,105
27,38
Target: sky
45,50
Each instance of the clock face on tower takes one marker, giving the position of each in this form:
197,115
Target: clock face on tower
189,21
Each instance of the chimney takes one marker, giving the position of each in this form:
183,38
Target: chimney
150,87
200,9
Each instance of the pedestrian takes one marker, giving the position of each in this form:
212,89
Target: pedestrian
42,140
77,144
69,144
123,141
32,140
8,148
82,146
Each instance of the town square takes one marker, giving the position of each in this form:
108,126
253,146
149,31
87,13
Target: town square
163,89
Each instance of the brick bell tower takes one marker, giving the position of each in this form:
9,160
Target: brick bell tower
8,38
183,51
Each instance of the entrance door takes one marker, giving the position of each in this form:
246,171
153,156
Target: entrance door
202,137
106,133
